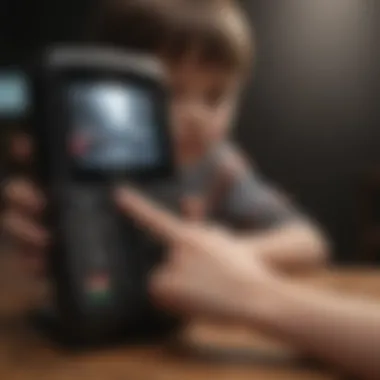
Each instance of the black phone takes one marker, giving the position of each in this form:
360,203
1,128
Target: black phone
100,120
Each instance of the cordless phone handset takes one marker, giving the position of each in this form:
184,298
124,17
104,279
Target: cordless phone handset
100,119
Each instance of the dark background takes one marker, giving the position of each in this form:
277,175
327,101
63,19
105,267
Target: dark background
309,119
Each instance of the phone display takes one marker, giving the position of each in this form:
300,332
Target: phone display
113,126
100,119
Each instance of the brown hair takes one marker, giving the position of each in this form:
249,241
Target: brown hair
132,24
217,30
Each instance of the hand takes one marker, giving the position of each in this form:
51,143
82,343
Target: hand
23,205
22,240
207,272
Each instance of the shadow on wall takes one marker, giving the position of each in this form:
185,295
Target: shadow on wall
313,127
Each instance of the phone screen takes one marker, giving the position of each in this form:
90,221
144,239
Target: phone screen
113,126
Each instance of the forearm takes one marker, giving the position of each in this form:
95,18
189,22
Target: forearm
294,246
340,331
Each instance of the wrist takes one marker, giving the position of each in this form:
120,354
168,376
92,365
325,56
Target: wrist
259,300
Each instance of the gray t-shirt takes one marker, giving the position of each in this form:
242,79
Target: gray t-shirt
246,200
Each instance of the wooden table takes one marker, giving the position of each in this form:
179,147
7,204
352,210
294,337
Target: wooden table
25,356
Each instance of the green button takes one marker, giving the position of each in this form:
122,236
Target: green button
98,288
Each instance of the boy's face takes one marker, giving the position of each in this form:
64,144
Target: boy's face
204,99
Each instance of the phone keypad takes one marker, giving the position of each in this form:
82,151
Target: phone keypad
92,234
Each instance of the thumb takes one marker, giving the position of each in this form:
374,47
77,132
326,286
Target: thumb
162,285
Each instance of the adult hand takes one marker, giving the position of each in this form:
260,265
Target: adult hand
207,271
23,239
23,204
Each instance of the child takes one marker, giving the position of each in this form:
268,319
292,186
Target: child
208,53
207,49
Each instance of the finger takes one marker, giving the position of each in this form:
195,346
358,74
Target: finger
22,193
21,147
217,230
169,292
24,230
158,221
162,285
31,259
177,256
33,262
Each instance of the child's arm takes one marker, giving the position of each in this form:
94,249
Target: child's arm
216,277
281,234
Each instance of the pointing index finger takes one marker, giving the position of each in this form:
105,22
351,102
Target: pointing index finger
151,216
